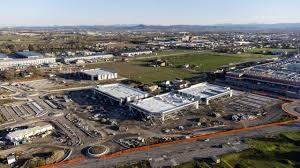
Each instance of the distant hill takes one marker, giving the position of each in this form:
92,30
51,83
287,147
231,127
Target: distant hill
171,28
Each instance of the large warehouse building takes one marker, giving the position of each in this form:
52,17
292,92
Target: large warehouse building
131,54
26,62
97,74
205,92
163,106
279,77
122,94
24,134
90,57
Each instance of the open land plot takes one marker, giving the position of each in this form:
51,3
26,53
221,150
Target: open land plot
279,151
139,71
271,50
209,61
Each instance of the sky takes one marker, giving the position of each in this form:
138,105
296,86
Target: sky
150,12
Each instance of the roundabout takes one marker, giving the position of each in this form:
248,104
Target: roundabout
97,150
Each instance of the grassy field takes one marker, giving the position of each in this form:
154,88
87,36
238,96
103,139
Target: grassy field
210,61
138,70
270,49
282,151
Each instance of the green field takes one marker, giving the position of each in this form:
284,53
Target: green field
282,151
138,70
270,49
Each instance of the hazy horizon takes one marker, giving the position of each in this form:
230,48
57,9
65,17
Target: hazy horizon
149,12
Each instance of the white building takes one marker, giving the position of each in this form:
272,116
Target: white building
205,92
90,57
163,106
24,134
11,159
97,74
131,54
26,62
120,93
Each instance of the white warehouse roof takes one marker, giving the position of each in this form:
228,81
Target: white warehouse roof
163,103
121,91
204,91
95,72
19,135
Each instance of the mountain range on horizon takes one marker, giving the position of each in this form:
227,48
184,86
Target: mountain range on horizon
178,27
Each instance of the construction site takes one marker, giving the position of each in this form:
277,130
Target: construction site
111,118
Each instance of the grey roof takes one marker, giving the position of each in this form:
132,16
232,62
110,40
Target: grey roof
3,55
29,54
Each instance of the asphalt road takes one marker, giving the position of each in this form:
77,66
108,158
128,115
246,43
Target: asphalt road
173,154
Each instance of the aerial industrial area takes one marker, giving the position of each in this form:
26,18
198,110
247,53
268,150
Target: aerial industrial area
91,97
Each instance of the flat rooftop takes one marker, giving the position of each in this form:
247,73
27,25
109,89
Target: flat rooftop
283,70
204,90
120,91
94,72
3,56
29,54
163,103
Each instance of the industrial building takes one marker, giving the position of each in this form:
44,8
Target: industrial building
131,54
90,57
97,74
28,54
24,134
280,77
4,57
205,92
122,94
163,106
26,62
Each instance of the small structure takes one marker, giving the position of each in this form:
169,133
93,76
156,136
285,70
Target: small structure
120,93
205,92
159,63
151,88
97,74
11,159
163,106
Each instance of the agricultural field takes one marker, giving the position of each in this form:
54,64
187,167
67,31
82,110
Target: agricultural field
138,69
